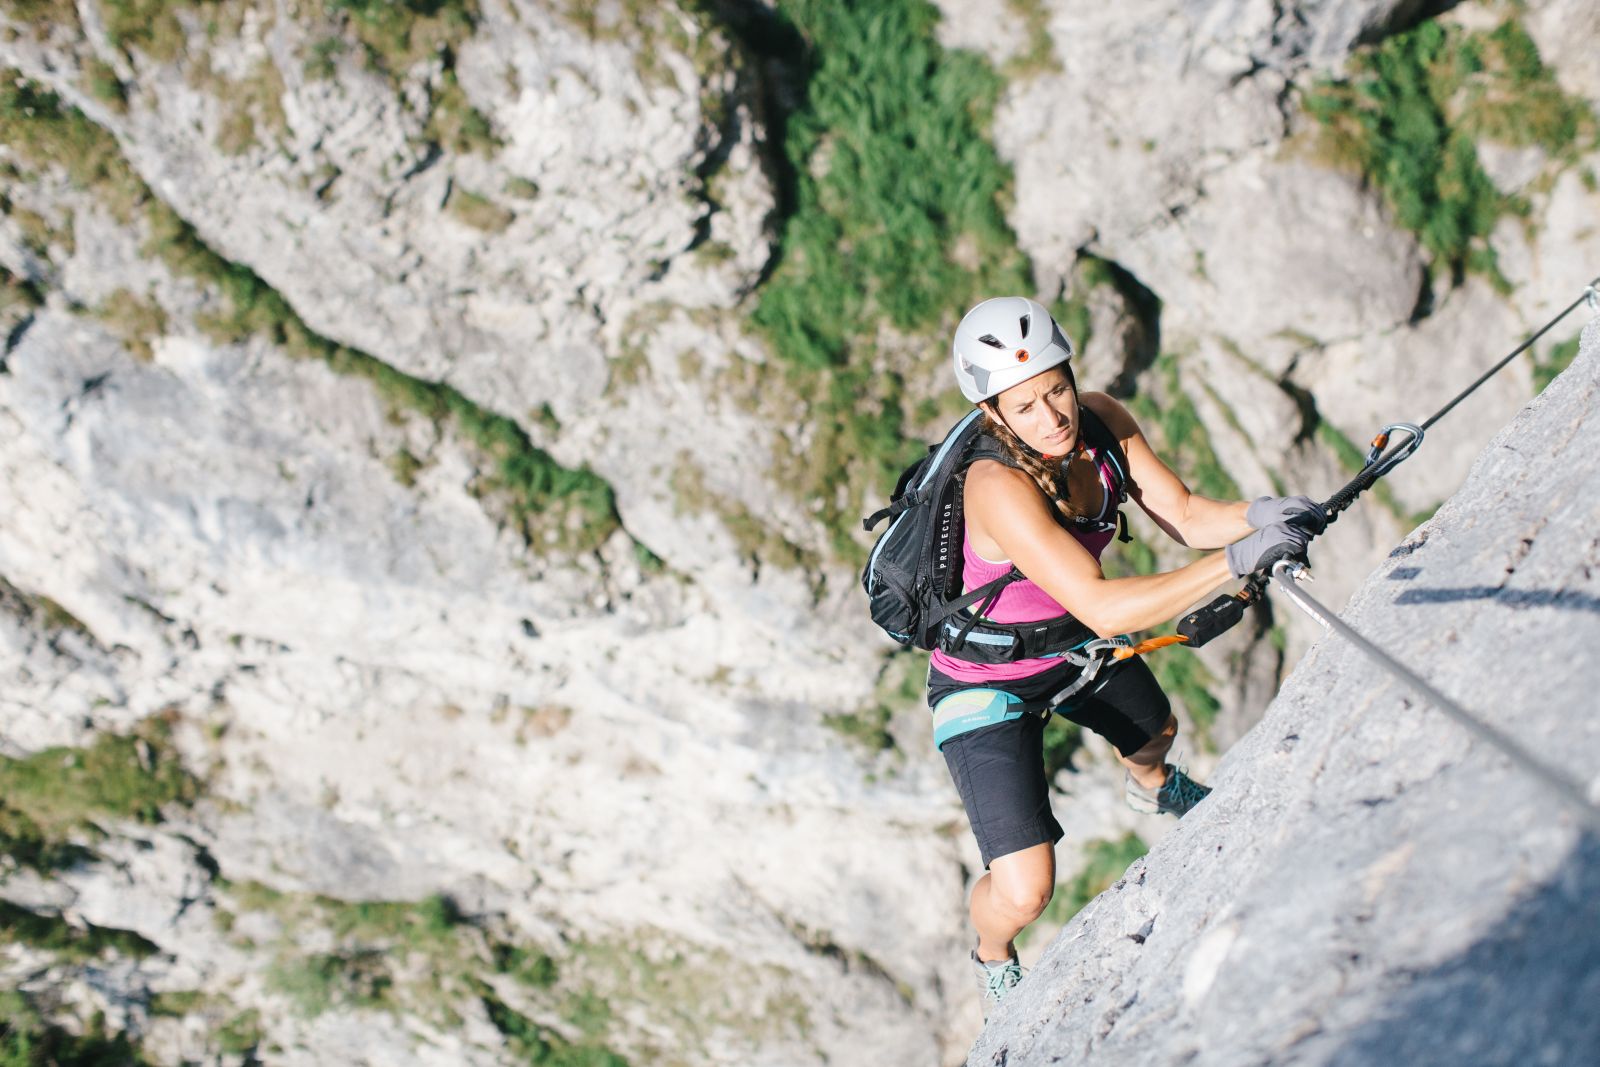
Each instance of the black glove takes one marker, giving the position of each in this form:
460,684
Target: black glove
1266,510
1275,541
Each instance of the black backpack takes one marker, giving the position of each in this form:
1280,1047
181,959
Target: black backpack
913,576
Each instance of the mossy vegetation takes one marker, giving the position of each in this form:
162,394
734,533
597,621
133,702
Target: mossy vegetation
35,125
756,541
253,106
552,506
455,124
134,319
63,792
668,979
1039,56
895,221
1071,306
901,685
151,26
67,942
40,15
479,212
395,35
1558,359
422,958
27,1039
654,31
105,86
18,296
1062,740
1411,112
1106,862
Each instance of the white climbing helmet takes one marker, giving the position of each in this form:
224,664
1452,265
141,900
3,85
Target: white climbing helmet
1003,341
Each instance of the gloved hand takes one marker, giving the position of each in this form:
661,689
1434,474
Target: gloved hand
1266,510
1274,541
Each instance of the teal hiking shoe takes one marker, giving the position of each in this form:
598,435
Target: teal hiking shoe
995,980
1176,797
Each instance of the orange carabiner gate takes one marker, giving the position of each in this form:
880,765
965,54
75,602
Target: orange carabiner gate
1151,645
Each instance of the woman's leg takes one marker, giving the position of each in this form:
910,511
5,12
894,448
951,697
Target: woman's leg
1010,896
999,772
1129,709
1148,766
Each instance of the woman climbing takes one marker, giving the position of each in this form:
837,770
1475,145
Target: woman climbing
1042,496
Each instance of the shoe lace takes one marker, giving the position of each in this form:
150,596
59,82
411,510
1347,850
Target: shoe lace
1181,791
1001,979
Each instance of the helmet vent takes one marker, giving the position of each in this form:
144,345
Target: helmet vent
991,340
1026,319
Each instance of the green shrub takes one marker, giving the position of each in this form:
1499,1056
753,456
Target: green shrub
398,34
27,1040
150,25
455,124
124,776
69,943
895,219
1410,114
1561,356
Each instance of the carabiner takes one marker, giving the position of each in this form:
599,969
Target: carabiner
1402,452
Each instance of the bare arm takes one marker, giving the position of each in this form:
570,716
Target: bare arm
1006,507
1188,518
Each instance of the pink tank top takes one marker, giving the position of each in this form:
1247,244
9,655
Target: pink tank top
1022,600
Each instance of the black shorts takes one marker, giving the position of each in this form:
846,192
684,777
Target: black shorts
999,769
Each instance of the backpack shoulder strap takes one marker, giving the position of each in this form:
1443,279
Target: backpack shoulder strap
985,446
1099,437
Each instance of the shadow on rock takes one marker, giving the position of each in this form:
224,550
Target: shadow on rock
1511,598
1526,994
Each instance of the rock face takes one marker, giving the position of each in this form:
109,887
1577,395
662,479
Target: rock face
1369,883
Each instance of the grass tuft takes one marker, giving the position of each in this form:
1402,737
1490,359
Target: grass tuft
135,320
1409,118
120,776
895,222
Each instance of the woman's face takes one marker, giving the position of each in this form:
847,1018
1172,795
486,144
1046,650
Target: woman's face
1043,412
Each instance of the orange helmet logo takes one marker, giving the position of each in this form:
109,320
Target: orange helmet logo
1022,355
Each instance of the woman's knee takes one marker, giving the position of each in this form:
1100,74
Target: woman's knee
1022,883
1023,900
